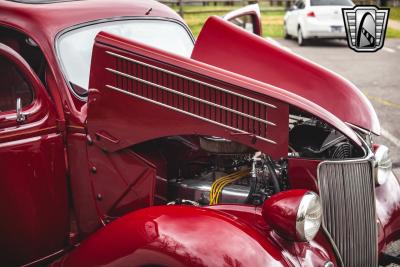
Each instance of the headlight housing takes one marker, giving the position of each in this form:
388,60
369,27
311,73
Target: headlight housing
383,165
294,214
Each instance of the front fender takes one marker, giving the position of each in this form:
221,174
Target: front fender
176,236
388,211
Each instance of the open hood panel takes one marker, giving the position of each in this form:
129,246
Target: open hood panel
226,46
139,93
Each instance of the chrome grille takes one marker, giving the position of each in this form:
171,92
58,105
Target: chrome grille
348,201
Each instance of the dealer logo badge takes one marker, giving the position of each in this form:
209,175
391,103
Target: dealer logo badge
365,27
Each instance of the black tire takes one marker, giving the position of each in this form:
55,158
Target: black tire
300,39
285,34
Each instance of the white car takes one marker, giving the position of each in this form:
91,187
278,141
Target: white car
308,19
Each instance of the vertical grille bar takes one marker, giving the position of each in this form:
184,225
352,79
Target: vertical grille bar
348,202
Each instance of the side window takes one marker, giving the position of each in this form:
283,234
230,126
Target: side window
12,86
27,48
245,22
300,4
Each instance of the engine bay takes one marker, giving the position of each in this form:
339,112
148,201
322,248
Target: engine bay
232,173
209,170
314,139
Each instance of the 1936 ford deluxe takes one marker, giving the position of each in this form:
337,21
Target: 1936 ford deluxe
125,142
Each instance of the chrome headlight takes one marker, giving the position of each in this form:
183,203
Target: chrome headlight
383,165
294,214
309,215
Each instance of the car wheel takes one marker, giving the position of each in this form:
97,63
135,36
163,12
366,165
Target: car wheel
285,33
300,39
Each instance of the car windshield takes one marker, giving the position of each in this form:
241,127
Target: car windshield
331,3
75,47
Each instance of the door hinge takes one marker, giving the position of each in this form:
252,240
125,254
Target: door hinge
61,126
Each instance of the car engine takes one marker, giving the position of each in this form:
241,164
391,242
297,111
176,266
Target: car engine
209,170
233,173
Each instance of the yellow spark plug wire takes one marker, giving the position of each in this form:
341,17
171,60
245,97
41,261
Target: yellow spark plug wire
222,182
216,184
219,184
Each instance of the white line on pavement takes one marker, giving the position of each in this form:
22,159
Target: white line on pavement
272,40
390,50
390,137
275,42
398,47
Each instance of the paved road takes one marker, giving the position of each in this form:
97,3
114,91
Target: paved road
376,74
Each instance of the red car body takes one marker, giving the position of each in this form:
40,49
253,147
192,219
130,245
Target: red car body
69,170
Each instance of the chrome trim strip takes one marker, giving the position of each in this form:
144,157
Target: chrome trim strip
330,239
190,79
189,96
187,113
53,256
358,128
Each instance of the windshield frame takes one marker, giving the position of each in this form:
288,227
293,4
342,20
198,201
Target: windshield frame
100,21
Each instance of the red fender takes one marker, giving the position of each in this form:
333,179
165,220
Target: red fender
178,236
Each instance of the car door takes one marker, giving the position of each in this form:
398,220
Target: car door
289,18
301,15
33,196
294,13
248,18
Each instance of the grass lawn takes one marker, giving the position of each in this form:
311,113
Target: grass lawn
392,33
394,13
272,22
272,19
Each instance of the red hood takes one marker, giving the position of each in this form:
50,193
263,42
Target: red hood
227,46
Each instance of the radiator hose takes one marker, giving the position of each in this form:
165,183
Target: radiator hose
271,168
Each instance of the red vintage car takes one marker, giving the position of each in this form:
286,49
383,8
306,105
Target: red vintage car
125,142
